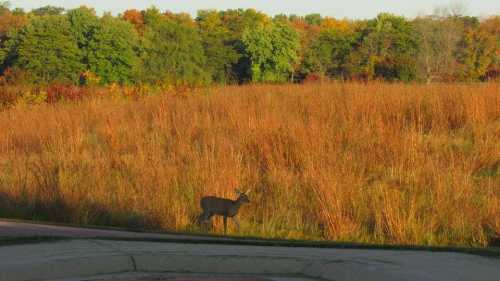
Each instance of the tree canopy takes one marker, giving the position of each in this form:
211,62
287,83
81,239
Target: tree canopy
272,49
219,46
112,52
51,44
48,50
172,52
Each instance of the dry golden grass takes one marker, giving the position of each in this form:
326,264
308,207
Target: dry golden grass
378,163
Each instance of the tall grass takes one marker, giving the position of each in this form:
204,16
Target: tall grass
378,163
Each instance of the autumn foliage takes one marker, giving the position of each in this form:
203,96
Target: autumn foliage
235,46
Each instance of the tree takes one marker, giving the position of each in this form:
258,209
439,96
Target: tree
218,46
272,50
180,18
136,18
172,53
48,11
343,26
84,24
48,50
237,22
10,20
10,24
313,19
152,16
112,51
491,26
454,9
308,35
388,49
439,38
330,53
477,53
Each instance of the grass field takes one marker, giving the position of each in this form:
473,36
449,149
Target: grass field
375,163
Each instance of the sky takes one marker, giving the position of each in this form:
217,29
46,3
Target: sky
354,9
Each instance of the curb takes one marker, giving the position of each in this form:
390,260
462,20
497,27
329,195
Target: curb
124,234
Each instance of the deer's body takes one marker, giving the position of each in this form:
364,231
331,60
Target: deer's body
220,206
216,206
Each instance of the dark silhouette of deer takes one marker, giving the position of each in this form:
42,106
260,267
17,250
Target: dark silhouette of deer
226,208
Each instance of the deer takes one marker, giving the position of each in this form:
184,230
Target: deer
226,208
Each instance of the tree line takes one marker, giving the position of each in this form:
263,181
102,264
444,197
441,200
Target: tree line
77,46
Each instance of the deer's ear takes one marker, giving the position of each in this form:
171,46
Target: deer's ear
237,191
248,191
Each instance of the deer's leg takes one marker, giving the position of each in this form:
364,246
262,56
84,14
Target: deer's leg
237,223
199,219
225,224
210,223
204,219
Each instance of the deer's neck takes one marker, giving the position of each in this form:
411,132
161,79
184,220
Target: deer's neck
236,206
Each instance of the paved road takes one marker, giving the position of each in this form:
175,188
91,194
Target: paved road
86,258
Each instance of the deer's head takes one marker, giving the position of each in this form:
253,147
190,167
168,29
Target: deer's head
242,196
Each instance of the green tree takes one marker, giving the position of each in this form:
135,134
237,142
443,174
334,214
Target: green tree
152,16
48,50
477,53
218,46
237,21
48,11
172,52
112,51
313,19
84,24
388,49
272,50
10,23
330,53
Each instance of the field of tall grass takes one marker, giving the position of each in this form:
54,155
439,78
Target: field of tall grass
374,163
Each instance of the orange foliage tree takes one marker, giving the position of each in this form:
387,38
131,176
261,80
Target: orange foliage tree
136,18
